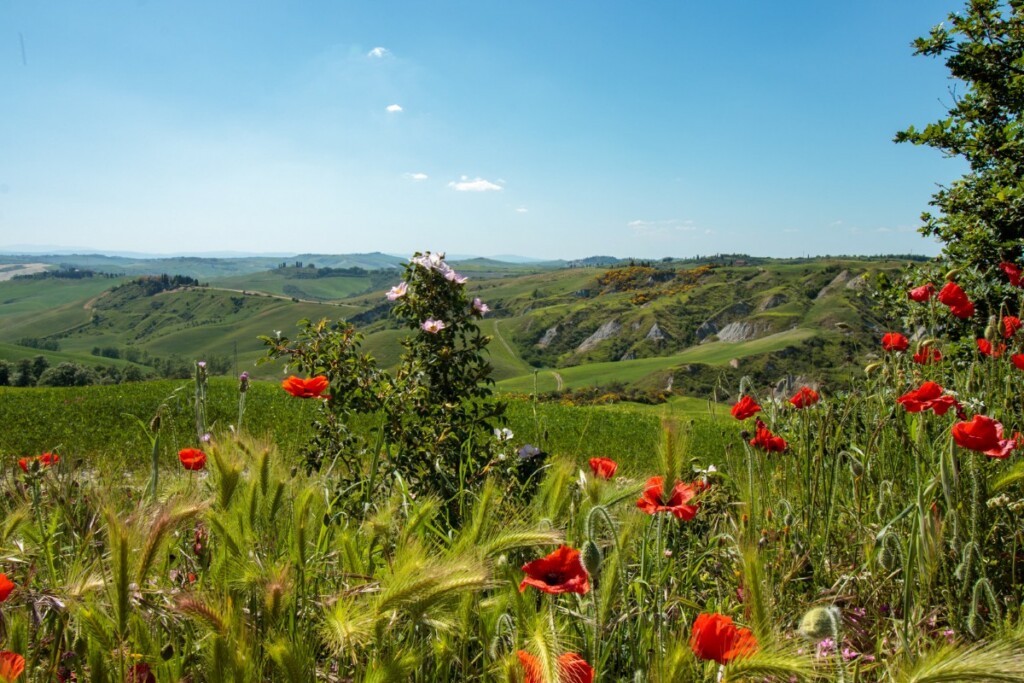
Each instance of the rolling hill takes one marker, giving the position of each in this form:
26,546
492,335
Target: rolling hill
693,327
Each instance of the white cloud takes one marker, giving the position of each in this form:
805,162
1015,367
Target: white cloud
378,53
522,209
464,184
418,177
394,108
661,228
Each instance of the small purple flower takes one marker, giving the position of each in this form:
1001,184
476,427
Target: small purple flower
826,647
201,364
480,307
243,382
398,291
206,438
950,635
432,326
528,452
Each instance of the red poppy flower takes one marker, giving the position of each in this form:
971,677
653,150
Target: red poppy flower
6,586
1014,272
744,408
927,355
314,387
1010,325
894,341
1018,360
11,666
983,434
929,396
571,668
763,438
953,296
532,670
192,458
140,673
603,468
805,397
559,572
574,669
923,293
45,460
652,500
986,348
716,637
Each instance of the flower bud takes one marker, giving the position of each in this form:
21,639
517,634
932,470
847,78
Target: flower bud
992,329
820,623
856,467
590,558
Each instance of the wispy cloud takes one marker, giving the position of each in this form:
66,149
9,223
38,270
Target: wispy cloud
394,108
418,177
464,184
522,209
378,53
661,228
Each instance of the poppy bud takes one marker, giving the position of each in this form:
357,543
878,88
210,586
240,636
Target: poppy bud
887,558
590,558
820,623
154,424
992,329
788,519
166,652
856,468
951,275
871,367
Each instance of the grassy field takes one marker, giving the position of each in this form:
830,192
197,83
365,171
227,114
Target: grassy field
94,424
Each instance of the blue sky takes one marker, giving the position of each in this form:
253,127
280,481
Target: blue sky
551,129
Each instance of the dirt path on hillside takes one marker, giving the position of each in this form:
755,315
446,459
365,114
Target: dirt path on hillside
255,292
558,380
497,333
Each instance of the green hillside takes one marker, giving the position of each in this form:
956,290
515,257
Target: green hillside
203,268
308,284
688,326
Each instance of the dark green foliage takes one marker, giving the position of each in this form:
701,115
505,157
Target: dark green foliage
441,415
332,350
436,412
981,215
67,375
